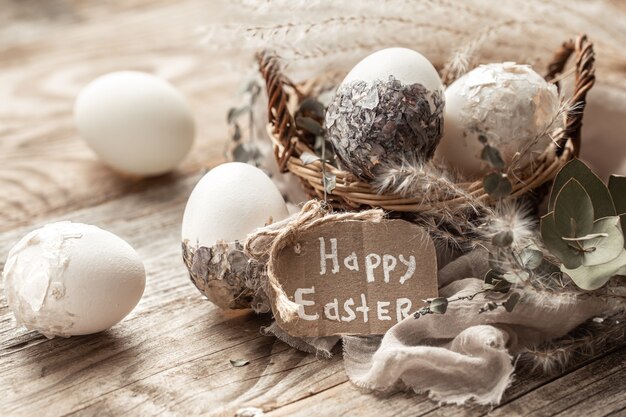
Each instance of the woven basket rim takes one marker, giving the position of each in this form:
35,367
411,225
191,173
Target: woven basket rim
352,193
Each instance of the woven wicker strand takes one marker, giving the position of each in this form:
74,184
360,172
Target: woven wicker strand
351,193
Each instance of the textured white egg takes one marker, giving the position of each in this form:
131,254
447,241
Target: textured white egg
228,203
136,123
386,112
508,105
68,279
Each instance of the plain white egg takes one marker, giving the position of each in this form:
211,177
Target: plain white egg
68,279
406,65
509,105
228,203
136,123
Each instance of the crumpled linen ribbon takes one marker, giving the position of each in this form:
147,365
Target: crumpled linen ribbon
455,357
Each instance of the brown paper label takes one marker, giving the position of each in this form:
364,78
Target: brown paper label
356,277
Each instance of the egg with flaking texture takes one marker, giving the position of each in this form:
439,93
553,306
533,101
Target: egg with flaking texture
230,202
387,111
68,279
508,106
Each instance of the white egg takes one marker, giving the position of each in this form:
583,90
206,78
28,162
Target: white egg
508,105
387,111
68,279
405,65
135,122
228,203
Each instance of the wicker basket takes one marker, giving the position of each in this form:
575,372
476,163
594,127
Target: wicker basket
351,193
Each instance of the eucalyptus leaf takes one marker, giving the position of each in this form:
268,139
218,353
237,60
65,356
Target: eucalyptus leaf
310,125
607,246
531,258
237,363
593,277
313,106
497,185
488,306
557,246
511,302
515,277
573,210
237,133
438,305
495,282
597,191
330,182
246,152
234,113
308,158
492,156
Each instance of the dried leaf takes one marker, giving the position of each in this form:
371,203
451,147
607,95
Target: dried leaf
237,363
438,305
497,185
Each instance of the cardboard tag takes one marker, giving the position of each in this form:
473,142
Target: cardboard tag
356,277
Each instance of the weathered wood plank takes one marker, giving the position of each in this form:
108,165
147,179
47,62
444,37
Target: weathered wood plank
171,355
594,390
44,165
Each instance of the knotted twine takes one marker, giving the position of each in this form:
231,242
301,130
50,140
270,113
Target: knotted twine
264,246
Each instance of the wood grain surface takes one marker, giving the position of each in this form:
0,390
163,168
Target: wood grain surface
171,355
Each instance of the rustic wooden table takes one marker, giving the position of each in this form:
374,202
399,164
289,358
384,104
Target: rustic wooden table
171,355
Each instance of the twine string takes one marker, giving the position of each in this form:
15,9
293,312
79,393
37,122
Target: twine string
265,245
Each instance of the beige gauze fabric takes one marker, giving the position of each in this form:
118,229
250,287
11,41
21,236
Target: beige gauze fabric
463,355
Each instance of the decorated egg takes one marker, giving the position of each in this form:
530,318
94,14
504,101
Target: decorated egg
135,122
68,279
508,106
227,204
388,110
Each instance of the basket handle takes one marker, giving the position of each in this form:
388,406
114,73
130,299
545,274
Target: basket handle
585,78
277,111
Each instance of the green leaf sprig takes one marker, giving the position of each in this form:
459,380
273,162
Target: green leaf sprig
585,225
496,183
